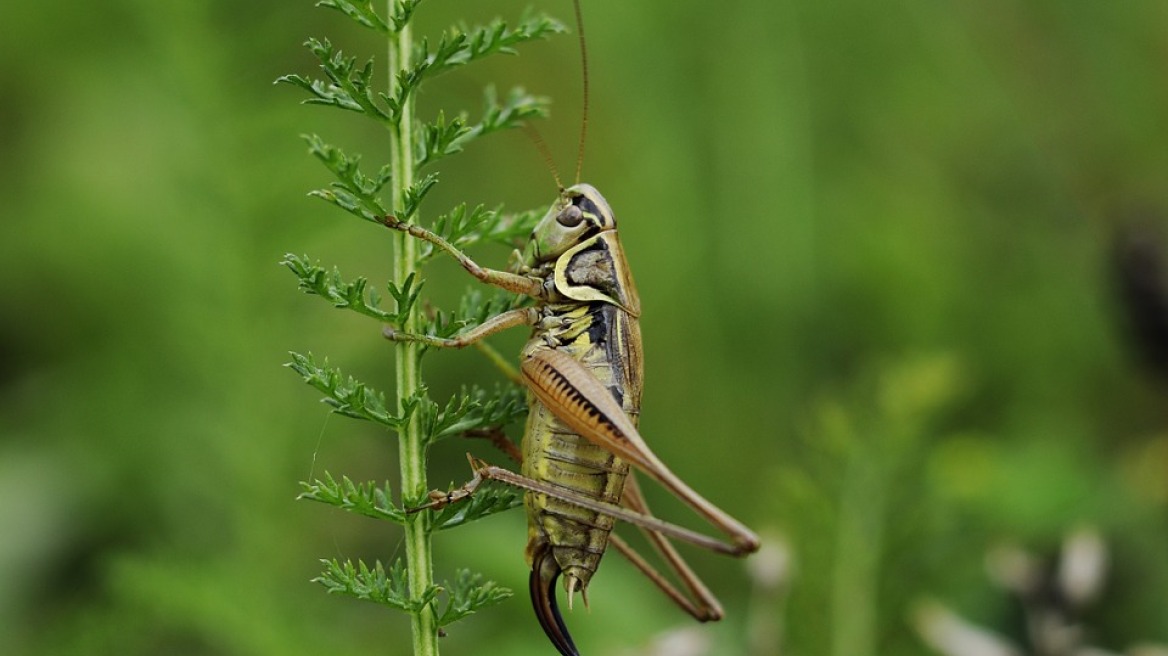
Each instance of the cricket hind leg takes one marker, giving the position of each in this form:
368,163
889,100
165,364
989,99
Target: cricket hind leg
496,436
577,398
701,604
545,571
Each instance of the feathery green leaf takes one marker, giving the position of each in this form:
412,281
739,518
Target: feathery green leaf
346,395
354,191
330,286
361,12
362,498
414,195
348,86
441,138
470,409
390,588
469,593
401,13
461,45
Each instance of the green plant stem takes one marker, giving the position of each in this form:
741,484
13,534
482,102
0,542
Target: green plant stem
412,452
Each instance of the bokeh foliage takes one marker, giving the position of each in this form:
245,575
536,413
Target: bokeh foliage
871,241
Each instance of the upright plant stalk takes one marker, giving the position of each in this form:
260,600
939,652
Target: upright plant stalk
397,188
411,450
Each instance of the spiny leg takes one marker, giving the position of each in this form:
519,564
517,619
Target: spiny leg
707,608
511,282
545,572
484,471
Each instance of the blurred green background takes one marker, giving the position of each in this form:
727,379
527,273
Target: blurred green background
873,245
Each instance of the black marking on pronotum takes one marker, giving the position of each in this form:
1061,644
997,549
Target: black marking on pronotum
588,207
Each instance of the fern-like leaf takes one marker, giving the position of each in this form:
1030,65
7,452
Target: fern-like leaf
461,45
413,196
346,395
401,13
330,286
354,191
469,593
472,408
387,587
366,499
441,138
347,85
361,12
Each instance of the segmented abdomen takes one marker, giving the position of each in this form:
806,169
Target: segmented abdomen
555,454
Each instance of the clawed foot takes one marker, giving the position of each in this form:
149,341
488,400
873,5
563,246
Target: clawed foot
440,499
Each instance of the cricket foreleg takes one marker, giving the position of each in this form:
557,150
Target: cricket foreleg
512,282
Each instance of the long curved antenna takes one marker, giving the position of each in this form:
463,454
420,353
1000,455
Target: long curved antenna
584,68
543,149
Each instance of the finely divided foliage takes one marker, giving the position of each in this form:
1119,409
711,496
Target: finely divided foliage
353,84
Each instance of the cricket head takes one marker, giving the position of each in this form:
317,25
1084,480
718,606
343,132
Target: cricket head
578,214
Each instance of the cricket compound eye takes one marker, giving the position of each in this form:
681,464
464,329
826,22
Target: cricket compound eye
570,216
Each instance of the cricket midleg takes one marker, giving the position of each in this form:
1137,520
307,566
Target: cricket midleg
495,324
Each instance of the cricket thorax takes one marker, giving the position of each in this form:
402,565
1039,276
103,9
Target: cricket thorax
595,271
